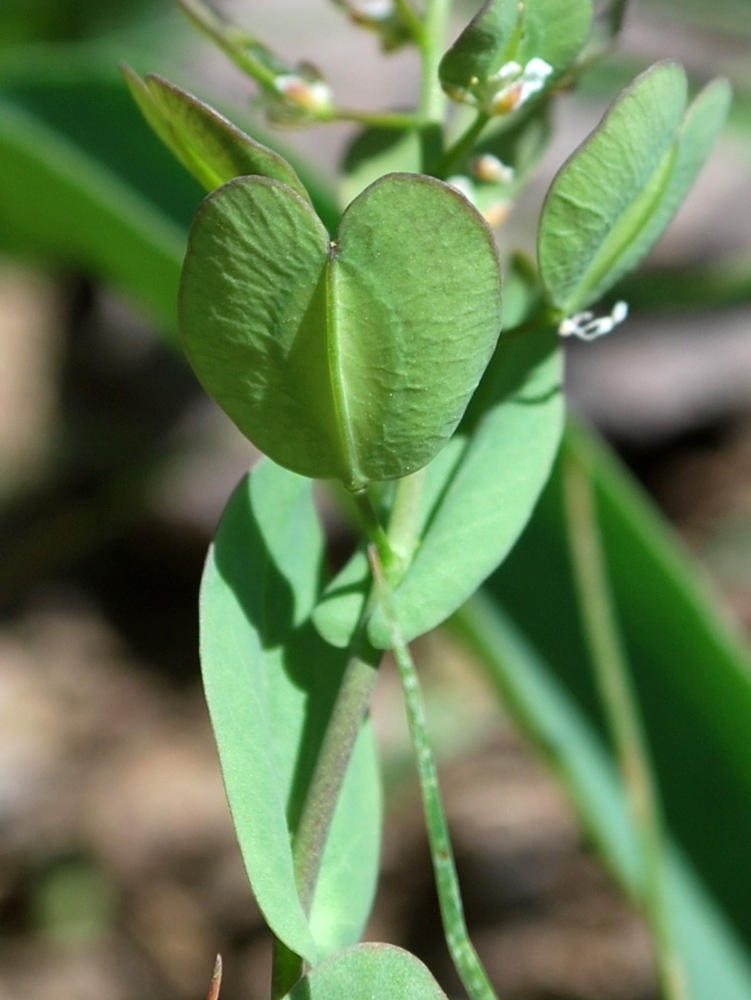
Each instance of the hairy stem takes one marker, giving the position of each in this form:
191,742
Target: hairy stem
623,716
465,958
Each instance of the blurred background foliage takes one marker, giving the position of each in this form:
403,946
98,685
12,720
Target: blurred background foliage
119,875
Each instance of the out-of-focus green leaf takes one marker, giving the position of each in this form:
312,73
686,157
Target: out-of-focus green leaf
368,971
611,202
374,153
691,670
715,961
478,494
58,203
207,144
270,685
352,360
674,289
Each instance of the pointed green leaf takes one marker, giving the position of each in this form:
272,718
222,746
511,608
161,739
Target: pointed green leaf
612,200
207,144
366,972
270,685
506,32
478,495
354,359
696,137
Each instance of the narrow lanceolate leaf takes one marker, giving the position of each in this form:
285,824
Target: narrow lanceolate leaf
716,963
613,199
478,495
207,144
353,359
368,971
506,32
270,685
684,653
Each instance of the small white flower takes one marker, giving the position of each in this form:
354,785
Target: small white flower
312,95
490,169
586,326
517,85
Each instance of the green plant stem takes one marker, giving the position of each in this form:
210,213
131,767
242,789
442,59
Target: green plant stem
309,843
623,716
223,34
411,18
465,958
404,523
435,27
343,727
375,531
463,146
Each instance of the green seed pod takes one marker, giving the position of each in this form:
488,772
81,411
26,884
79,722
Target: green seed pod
351,359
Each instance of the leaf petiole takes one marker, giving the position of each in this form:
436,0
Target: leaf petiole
459,150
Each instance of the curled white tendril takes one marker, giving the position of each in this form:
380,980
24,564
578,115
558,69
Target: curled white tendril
586,326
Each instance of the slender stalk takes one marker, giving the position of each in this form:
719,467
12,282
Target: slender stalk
226,37
341,733
623,717
465,958
343,727
375,531
411,18
323,793
405,517
463,146
435,27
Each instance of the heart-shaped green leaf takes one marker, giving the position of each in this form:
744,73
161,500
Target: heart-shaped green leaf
506,33
366,972
353,359
613,199
210,147
270,685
